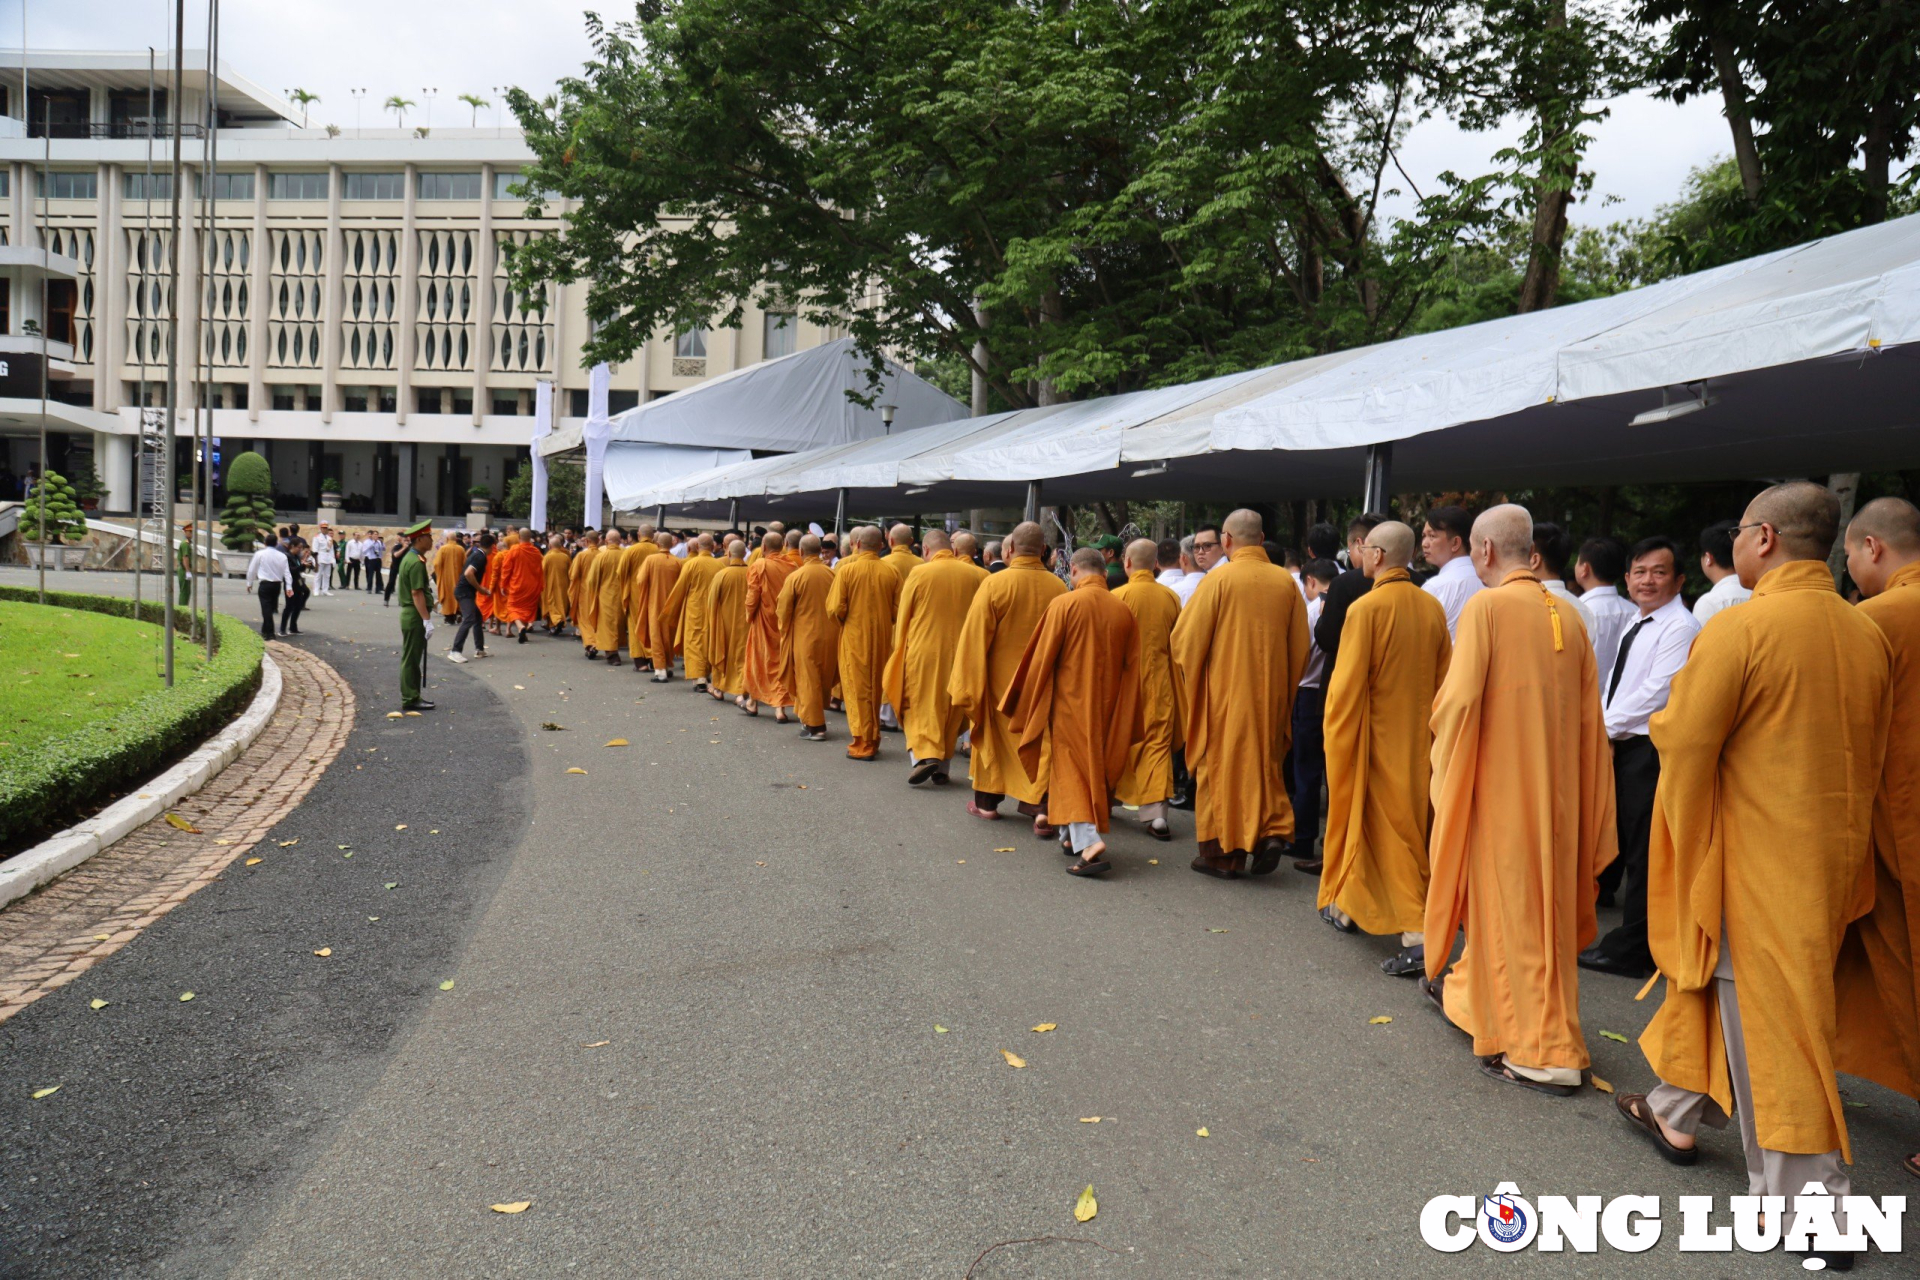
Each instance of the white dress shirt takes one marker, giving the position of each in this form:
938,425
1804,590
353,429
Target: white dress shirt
1725,592
1612,614
1560,592
1171,577
1315,675
1453,586
323,549
1187,586
1661,641
269,564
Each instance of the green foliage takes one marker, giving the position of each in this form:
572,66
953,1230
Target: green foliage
58,783
479,491
249,473
54,507
248,515
330,485
566,493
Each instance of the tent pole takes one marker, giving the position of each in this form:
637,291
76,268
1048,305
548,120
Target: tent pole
840,515
733,513
1033,501
660,516
1379,476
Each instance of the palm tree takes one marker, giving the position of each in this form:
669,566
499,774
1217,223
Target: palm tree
399,105
305,100
475,101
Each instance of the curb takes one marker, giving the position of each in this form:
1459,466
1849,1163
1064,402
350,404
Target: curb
59,854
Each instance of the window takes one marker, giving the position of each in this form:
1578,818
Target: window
502,180
782,333
577,402
375,186
236,395
60,306
232,186
388,399
426,400
449,186
6,179
286,397
64,185
296,186
620,401
138,187
506,406
353,399
690,345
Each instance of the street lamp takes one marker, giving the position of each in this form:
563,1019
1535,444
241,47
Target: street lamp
428,93
886,418
358,95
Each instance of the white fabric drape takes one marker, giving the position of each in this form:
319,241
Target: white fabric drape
542,426
595,435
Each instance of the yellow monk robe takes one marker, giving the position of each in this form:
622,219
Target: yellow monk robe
525,580
639,637
1522,823
765,577
1771,747
610,623
926,630
555,568
448,564
1878,980
491,598
1240,648
1005,612
727,628
656,578
1393,657
903,562
688,603
585,601
1148,778
809,640
1076,693
865,596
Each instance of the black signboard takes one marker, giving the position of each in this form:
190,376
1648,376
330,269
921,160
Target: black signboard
19,376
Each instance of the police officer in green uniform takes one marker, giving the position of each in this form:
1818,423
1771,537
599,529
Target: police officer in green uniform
416,615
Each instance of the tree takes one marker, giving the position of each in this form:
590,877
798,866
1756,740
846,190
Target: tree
399,106
52,513
566,493
305,100
249,511
476,102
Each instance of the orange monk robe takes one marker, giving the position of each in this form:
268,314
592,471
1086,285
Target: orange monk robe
903,562
765,577
1005,613
933,608
1393,656
727,629
1077,693
809,640
1240,648
1771,748
525,580
1878,980
584,601
639,619
1148,778
491,598
865,597
554,570
1522,822
448,564
688,604
656,577
610,589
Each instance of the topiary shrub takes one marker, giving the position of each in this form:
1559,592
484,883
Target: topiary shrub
65,521
249,510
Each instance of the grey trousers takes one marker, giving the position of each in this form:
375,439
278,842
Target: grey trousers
1769,1173
1082,835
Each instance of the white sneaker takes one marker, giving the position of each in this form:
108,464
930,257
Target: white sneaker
454,655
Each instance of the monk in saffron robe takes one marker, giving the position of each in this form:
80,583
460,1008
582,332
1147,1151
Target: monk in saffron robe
900,557
933,607
610,622
1771,748
1522,816
1000,623
790,547
491,598
655,577
585,603
1393,655
555,567
765,577
524,581
865,596
1077,689
1147,783
1878,980
727,627
448,563
639,640
809,639
688,603
1241,646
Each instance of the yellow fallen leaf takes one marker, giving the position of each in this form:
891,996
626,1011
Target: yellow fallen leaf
447,985
413,713
1201,1132
1153,862
1046,1026
520,687
1013,1059
1090,1119
1601,1085
96,1004
434,831
1380,1021
1614,1035
576,769
400,826
939,1030
101,937
185,996
759,864
396,715
393,884
324,952
253,861
179,823
1086,1206
618,742
961,861
597,1044
372,919
1008,849
343,846
1216,931
288,844
223,842
518,1206
46,1093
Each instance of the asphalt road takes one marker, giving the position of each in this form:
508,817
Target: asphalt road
693,1064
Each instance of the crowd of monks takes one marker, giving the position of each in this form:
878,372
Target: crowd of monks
1470,784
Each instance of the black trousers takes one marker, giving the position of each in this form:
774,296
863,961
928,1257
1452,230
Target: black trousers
470,622
290,616
349,573
1636,772
1309,773
373,576
269,593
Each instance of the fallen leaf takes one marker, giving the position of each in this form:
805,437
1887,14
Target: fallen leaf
520,687
803,786
324,952
597,1044
1086,1206
96,1004
1201,1132
433,831
1046,1026
288,844
576,769
960,861
447,985
1216,931
343,846
179,823
223,842
1013,1059
518,1206
939,1030
1614,1035
1008,849
618,742
347,854
1380,1021
1153,862
400,826
396,715
551,727
372,919
1091,1119
69,655
412,713
1309,1160
101,937
393,884
1857,1104
252,861
1601,1085
46,1093
185,996
759,864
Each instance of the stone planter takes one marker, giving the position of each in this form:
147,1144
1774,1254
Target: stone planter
233,564
329,513
56,555
480,506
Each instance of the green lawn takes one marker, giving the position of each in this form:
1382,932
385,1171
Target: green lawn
63,668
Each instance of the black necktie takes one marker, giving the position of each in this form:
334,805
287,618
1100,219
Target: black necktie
1620,663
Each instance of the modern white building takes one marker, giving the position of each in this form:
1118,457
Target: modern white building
349,294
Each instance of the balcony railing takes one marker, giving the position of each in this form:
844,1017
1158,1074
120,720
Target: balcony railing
112,129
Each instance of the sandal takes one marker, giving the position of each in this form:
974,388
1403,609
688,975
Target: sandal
1209,868
1493,1068
1638,1114
1912,1164
1159,829
1326,913
1091,867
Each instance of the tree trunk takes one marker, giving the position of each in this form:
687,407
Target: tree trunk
1845,484
1053,310
1541,284
979,397
1733,98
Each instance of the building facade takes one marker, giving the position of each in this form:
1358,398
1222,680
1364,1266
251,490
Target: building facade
343,294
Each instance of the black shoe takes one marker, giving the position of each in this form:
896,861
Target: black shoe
922,772
1408,962
1266,857
592,653
1181,802
1326,913
1602,962
1605,899
1833,1261
523,638
418,704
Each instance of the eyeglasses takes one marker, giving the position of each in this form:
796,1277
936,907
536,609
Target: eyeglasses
1377,550
1742,528
1205,546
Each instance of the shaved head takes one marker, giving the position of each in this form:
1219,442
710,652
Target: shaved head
1502,541
1894,521
772,542
644,532
1395,540
964,545
934,540
737,549
793,538
706,542
1026,539
900,536
1089,560
868,539
774,526
809,544
1244,527
1142,554
1805,517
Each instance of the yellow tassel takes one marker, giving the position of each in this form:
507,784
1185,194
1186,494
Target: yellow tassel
1553,611
1650,981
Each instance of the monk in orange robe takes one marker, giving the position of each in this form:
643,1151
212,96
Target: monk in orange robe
809,639
655,576
1078,690
1005,612
688,604
582,603
1522,816
865,596
1393,656
1241,646
524,581
727,627
933,607
764,580
639,637
448,563
610,621
1147,783
790,547
554,570
490,599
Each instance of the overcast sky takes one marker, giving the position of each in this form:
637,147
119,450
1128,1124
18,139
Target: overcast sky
1640,156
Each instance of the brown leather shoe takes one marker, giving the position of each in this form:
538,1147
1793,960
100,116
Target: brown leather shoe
1225,866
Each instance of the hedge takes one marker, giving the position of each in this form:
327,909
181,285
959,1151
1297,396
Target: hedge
67,777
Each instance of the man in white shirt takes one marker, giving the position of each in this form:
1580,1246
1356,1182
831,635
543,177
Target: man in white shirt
323,559
1201,550
1167,559
1603,562
268,570
1552,550
1443,544
1651,653
1716,561
350,562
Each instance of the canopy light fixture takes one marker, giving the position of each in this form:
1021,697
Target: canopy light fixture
1157,469
1671,409
919,489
